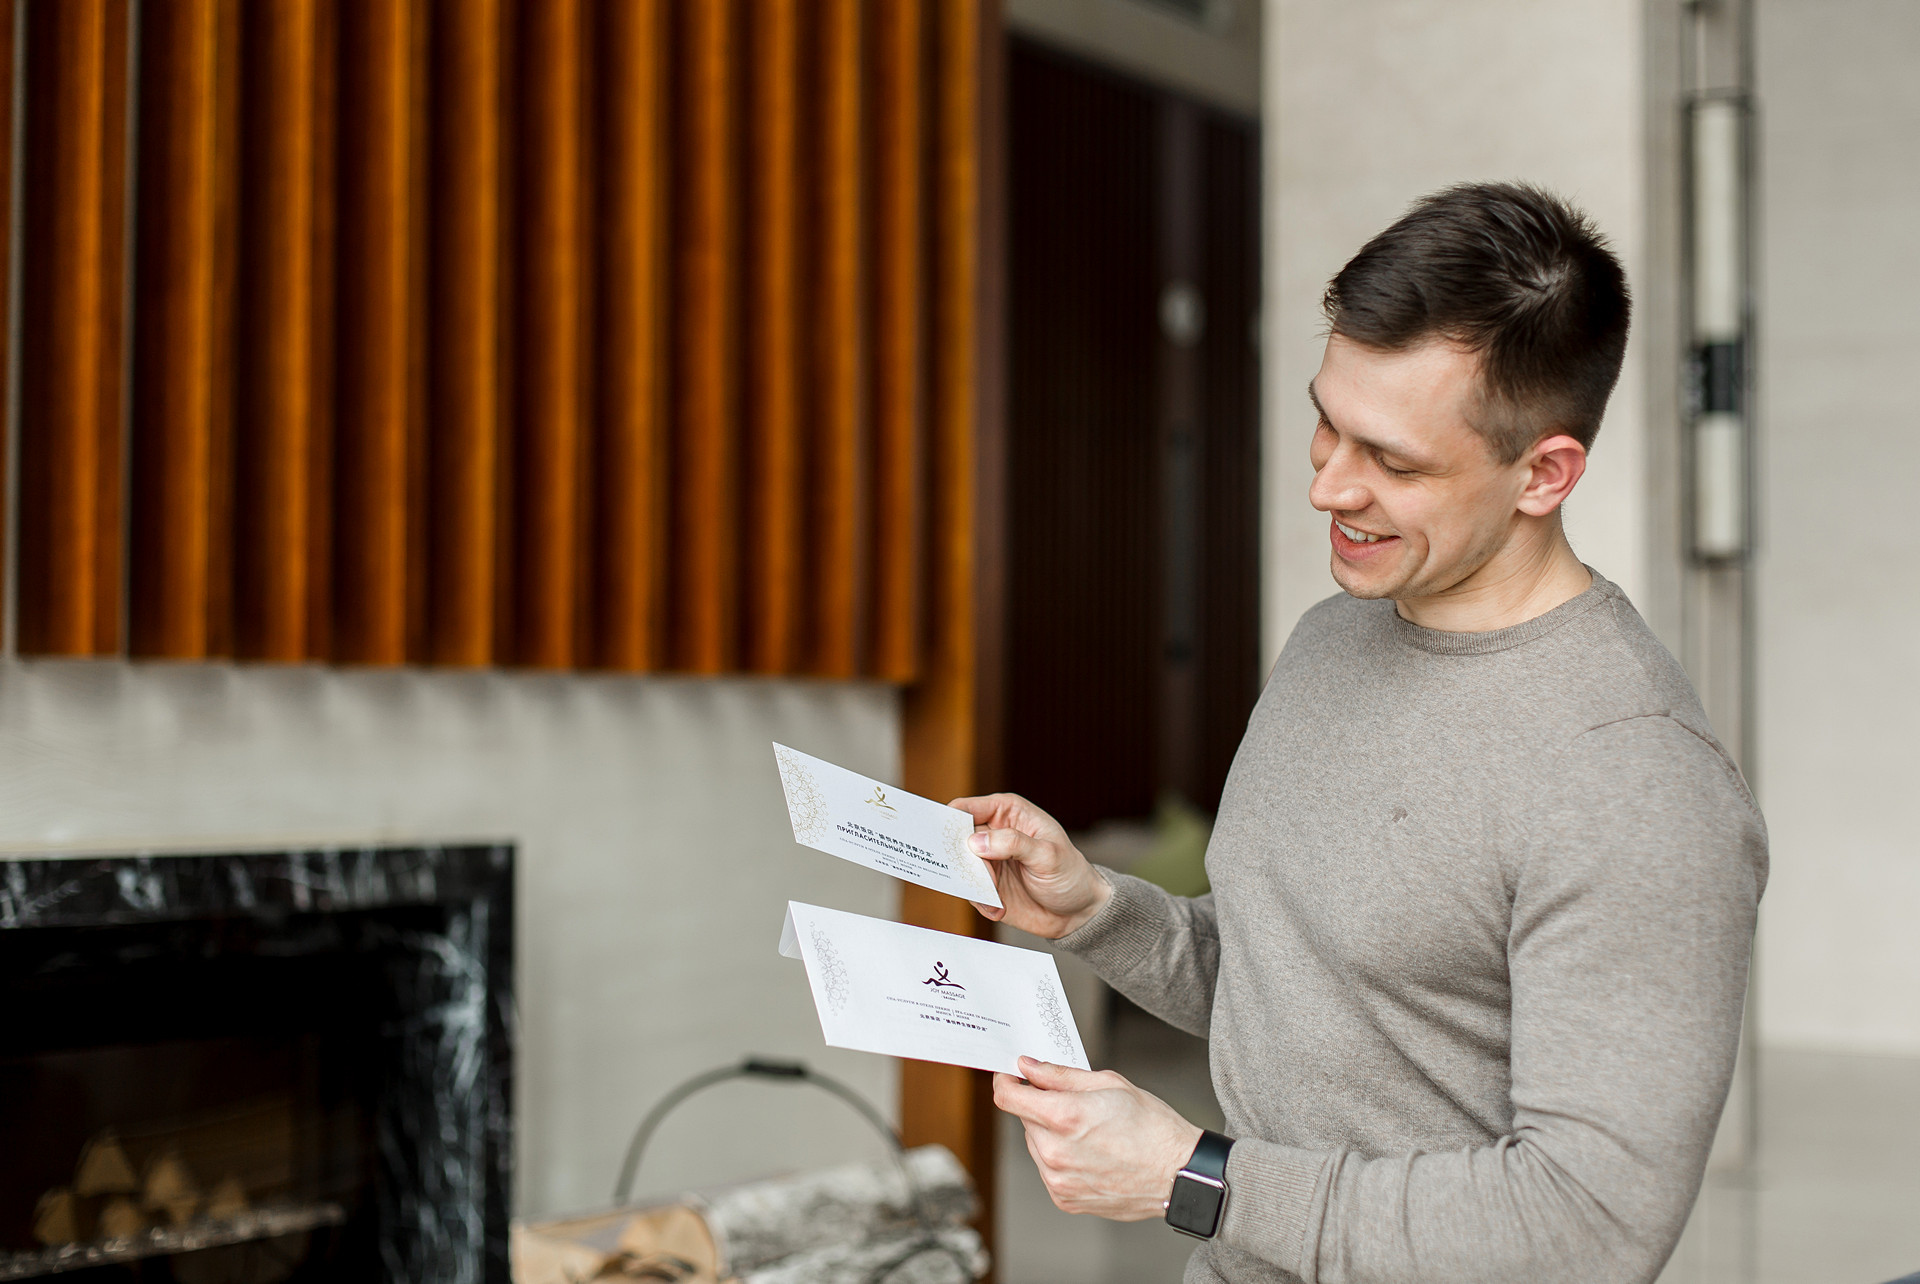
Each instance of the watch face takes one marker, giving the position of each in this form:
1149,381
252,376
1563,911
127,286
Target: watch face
1194,1206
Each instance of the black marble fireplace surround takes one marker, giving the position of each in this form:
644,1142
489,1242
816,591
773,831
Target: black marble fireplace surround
329,1031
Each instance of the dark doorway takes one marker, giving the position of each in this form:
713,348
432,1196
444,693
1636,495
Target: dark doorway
1133,440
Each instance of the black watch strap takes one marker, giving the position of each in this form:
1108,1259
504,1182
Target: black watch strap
1210,1156
1198,1202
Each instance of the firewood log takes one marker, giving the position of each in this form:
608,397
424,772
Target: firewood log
121,1218
56,1218
758,1223
103,1167
170,1189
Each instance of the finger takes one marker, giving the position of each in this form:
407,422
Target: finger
1010,844
992,913
1052,1078
982,809
1028,1104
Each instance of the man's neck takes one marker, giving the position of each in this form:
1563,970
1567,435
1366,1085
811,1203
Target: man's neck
1523,581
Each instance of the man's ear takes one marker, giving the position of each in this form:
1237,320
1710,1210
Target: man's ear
1554,466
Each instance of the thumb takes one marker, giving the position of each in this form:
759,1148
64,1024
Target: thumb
1045,1074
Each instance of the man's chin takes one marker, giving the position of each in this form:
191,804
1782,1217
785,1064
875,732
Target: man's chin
1369,588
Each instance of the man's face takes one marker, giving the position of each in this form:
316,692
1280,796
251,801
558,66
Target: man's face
1419,502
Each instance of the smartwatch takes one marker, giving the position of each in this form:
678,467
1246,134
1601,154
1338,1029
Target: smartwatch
1199,1197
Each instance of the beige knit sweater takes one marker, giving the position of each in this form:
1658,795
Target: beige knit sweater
1473,967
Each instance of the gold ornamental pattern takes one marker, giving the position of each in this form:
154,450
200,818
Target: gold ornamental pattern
806,801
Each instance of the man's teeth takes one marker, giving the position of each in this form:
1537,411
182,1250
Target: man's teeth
1358,537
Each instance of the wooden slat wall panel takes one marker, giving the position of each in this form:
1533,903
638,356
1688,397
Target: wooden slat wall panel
371,479
282,345
180,547
776,416
897,62
468,421
632,463
706,342
564,334
72,352
841,510
552,580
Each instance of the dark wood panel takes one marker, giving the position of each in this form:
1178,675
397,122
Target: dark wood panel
841,512
775,415
281,424
467,506
950,733
180,567
553,301
897,59
632,464
1085,508
1229,570
377,223
9,52
706,343
72,353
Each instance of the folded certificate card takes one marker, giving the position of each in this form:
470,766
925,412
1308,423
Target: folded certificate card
931,996
845,814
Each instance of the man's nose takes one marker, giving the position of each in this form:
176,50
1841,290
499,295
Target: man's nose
1336,488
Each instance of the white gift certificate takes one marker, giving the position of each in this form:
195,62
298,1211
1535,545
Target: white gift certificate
845,814
907,991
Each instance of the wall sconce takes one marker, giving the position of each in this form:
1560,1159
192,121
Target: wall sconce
1720,386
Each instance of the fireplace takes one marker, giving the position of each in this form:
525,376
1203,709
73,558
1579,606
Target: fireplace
245,1068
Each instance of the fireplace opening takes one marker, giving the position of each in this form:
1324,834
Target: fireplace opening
198,1090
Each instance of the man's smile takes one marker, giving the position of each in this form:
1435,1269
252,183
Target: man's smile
1351,541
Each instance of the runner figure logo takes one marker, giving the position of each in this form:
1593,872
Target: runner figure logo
879,801
941,982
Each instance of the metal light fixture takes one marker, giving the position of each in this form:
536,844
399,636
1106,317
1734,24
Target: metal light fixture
1718,189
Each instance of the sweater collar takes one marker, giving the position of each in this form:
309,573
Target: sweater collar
1442,642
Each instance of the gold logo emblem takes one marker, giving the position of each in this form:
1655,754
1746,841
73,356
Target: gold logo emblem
879,801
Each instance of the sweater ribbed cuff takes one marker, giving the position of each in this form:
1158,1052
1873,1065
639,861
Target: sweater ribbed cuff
1128,928
1271,1210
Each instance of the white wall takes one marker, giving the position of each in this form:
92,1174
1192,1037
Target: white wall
1839,563
1371,106
655,860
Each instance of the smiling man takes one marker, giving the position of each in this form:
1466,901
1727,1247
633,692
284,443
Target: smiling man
1484,882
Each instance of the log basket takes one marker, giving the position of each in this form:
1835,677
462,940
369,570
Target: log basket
773,1070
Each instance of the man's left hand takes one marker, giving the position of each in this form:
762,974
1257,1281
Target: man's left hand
1102,1145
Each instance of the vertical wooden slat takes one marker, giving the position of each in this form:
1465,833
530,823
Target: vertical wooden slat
180,489
281,438
898,347
631,503
949,733
775,415
552,510
73,295
420,234
468,424
371,479
705,574
841,512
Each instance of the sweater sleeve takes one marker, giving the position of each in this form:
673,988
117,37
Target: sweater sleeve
1632,928
1160,950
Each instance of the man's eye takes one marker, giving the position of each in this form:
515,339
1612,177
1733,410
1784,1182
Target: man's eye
1397,472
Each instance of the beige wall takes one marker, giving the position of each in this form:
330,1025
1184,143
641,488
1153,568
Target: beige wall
1371,105
655,860
1839,563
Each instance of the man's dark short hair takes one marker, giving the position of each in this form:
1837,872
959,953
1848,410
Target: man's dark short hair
1513,273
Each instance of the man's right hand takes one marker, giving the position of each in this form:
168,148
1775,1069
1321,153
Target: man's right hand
1047,886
